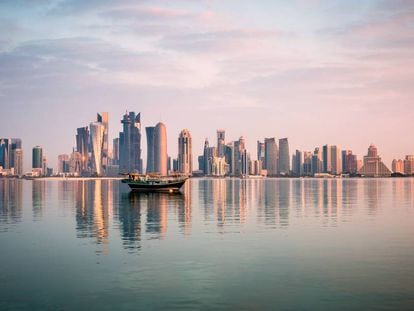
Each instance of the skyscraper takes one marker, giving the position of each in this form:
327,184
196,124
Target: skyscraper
336,162
63,163
284,157
373,166
398,166
18,161
221,136
239,147
271,156
104,120
245,162
185,154
326,158
130,144
7,148
261,152
37,157
82,146
297,163
97,130
150,148
229,158
317,163
409,165
115,151
157,149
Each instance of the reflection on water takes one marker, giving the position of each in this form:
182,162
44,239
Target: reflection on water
11,196
293,243
272,203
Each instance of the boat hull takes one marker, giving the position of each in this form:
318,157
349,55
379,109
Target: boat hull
162,187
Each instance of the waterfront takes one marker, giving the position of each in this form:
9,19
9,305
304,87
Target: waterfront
224,243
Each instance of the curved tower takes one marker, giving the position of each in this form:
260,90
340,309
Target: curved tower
185,155
97,131
160,149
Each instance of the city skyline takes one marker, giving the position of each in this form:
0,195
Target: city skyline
317,72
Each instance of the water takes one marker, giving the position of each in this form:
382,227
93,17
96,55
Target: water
228,244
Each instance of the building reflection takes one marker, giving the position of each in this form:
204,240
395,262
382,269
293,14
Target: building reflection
129,216
11,198
93,203
38,197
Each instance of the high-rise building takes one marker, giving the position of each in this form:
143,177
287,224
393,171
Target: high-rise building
97,131
5,152
45,171
409,165
317,162
398,166
18,161
245,163
201,163
104,120
37,157
82,146
157,157
115,151
261,152
75,163
349,162
239,146
206,158
373,166
185,153
307,163
7,149
284,157
271,156
229,158
130,144
221,138
63,163
150,148
327,159
297,163
336,161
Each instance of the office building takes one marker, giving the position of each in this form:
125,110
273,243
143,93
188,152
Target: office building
271,156
104,120
157,157
63,163
398,166
97,130
245,163
130,144
82,146
297,163
18,161
373,165
37,157
115,151
326,158
185,154
336,160
307,163
261,152
221,138
409,165
229,158
284,157
317,162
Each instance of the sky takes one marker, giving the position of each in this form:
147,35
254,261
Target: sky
317,72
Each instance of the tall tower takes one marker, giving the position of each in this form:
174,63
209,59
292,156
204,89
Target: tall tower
97,131
130,143
271,156
157,149
206,157
82,146
221,136
150,148
37,157
336,160
104,120
185,155
160,149
326,155
284,157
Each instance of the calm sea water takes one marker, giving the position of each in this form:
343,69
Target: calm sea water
288,244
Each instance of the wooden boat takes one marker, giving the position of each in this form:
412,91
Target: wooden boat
154,182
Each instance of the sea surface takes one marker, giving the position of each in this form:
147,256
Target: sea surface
226,244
